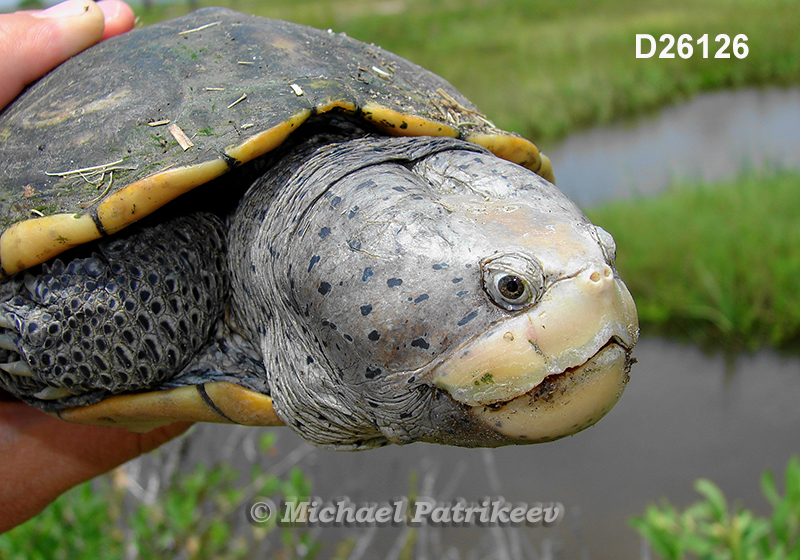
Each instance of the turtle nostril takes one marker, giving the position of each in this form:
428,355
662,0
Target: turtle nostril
597,276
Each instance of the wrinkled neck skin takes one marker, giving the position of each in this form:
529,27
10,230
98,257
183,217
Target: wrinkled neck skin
360,269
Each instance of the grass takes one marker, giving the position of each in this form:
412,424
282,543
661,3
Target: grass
718,264
545,68
709,530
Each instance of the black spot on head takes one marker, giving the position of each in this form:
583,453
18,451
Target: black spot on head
372,372
324,232
468,318
462,293
367,274
420,343
374,336
457,280
309,360
421,298
440,266
365,310
324,288
394,282
314,260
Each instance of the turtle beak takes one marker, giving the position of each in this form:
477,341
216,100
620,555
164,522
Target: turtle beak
554,370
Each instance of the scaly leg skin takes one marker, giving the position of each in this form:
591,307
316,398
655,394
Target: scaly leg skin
128,317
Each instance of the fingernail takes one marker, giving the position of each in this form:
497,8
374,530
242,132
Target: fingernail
69,8
110,9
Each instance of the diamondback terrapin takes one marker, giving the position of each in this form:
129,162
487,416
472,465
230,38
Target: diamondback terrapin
386,278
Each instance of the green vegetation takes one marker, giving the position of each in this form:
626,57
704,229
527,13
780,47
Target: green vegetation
716,263
708,531
544,68
198,516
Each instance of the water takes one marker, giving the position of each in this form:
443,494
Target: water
684,415
714,136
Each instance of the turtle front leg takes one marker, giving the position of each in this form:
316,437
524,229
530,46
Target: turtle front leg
126,318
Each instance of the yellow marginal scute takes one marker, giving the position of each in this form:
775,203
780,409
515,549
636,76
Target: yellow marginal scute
396,123
517,150
243,406
143,412
31,242
268,140
339,104
137,200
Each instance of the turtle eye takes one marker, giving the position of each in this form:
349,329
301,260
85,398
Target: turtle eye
511,287
512,281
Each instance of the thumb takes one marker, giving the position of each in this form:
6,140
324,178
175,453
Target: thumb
32,43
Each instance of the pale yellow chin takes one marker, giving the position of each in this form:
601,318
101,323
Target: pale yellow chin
563,404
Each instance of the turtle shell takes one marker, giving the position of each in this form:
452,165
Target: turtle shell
132,123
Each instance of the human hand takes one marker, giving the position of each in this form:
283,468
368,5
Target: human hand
41,456
34,42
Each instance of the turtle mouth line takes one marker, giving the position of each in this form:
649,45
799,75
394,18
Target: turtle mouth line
564,403
555,384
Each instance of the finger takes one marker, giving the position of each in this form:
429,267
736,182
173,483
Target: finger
119,17
43,457
32,43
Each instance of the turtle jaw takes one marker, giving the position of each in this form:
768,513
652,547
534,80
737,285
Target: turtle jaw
553,370
565,403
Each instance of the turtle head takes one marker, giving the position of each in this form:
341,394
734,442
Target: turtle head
442,294
548,352
559,359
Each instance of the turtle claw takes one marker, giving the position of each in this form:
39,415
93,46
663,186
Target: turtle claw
6,322
52,393
17,368
8,343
